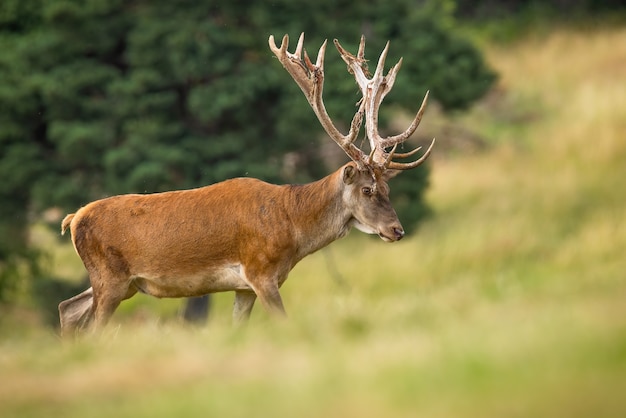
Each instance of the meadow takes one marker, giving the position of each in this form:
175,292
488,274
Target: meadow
509,301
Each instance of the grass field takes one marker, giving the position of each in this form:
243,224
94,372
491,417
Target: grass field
509,302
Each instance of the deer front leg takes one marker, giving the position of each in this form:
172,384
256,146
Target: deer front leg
244,301
270,299
264,273
266,289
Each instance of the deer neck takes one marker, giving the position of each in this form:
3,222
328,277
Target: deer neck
317,213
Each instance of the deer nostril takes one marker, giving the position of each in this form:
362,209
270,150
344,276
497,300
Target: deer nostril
399,233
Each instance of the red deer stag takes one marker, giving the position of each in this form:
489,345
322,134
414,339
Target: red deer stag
241,235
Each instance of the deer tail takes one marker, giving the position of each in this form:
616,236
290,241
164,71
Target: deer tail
66,222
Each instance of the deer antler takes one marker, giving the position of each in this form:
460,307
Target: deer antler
374,90
310,78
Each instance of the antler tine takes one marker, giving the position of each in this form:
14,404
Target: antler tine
355,64
381,62
394,165
310,79
405,154
361,54
298,52
320,55
319,62
283,44
390,156
389,141
391,75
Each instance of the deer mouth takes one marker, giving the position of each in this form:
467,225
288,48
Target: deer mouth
396,235
388,234
385,238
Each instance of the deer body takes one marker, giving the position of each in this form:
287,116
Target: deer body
203,237
241,235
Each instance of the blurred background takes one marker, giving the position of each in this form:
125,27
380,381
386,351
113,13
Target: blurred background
507,298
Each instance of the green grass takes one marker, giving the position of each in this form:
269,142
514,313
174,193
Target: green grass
509,302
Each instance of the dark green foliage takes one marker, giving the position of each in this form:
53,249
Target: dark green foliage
497,9
100,97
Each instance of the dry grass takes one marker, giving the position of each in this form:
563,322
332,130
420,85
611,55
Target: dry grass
509,302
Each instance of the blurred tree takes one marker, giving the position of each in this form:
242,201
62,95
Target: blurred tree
497,9
100,97
20,162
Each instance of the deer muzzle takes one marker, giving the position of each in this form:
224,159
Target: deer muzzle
395,233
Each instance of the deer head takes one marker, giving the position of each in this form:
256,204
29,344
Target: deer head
371,171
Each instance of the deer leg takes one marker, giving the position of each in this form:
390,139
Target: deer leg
268,295
244,301
76,313
111,283
107,300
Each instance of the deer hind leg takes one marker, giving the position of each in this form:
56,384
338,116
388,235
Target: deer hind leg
76,313
110,280
107,299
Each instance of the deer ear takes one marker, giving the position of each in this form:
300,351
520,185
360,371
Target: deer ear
389,174
349,174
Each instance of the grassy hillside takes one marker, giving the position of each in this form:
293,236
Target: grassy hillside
510,301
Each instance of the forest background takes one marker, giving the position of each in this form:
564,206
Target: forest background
106,97
508,300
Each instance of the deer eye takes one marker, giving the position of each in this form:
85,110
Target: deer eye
367,191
